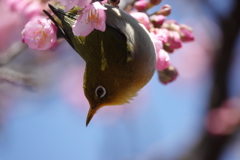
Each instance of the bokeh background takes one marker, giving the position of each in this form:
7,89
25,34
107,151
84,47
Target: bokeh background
196,117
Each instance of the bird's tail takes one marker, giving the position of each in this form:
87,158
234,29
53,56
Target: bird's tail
64,21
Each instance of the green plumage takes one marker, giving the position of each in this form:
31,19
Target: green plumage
121,59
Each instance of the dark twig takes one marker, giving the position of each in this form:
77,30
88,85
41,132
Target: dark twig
16,78
211,146
14,50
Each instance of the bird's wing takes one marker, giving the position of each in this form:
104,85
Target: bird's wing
118,19
123,23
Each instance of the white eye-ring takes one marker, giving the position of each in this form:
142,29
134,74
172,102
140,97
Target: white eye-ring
100,92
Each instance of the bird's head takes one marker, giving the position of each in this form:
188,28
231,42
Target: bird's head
112,86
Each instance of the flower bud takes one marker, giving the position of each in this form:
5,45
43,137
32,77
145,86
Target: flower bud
186,33
165,10
171,24
142,18
174,42
161,34
167,75
157,20
141,5
155,2
163,60
39,34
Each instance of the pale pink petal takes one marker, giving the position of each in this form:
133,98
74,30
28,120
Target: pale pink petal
157,43
81,28
83,3
98,6
93,16
102,25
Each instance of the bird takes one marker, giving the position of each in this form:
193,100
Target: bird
119,61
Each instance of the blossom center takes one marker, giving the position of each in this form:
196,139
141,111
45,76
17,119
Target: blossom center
93,18
41,38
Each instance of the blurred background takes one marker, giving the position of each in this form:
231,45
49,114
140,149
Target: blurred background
196,117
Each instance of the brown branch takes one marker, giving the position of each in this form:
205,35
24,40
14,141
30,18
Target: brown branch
211,146
14,50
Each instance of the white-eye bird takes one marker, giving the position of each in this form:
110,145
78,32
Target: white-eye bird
119,61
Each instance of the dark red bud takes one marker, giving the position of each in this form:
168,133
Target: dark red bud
167,75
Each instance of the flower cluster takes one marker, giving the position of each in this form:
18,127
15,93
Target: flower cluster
167,35
41,33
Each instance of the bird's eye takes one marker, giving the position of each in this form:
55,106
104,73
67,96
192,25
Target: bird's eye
100,91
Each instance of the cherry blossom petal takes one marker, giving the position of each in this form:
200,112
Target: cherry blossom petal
81,28
92,17
39,34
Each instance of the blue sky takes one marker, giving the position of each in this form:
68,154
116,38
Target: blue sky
43,125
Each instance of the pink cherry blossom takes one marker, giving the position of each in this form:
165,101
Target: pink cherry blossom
141,5
161,34
92,17
39,34
28,9
68,4
142,18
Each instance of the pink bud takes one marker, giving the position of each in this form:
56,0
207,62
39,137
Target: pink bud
186,33
39,34
174,41
142,18
165,10
161,34
157,20
140,5
171,24
163,60
155,2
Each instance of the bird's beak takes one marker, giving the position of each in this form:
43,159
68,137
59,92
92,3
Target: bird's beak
91,113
